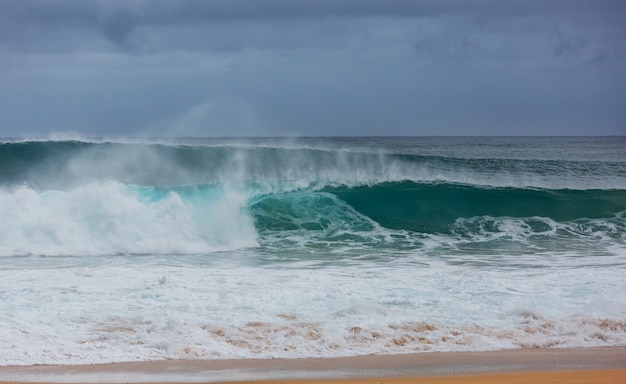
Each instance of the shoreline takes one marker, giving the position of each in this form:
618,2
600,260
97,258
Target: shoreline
397,368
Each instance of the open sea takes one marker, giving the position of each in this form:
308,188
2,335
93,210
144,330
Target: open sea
147,249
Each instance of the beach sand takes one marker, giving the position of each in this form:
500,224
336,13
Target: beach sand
585,365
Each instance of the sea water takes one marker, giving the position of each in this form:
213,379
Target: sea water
133,250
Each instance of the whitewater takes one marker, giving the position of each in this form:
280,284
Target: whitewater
125,249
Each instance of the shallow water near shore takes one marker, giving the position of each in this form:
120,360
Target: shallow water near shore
139,250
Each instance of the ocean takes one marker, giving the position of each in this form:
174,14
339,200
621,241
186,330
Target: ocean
126,249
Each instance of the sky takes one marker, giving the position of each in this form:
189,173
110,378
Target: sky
101,68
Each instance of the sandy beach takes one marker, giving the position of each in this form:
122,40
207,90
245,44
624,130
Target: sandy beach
589,377
585,365
562,377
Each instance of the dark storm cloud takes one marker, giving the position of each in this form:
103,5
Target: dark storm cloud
323,67
117,19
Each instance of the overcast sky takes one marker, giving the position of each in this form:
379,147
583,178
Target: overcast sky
312,68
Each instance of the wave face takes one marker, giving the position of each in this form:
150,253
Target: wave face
213,195
309,247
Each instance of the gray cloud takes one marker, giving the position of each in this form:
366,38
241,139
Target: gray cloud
117,20
324,67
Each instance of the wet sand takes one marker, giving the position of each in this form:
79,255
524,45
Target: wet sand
585,365
563,377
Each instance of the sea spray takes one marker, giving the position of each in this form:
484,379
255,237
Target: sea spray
107,218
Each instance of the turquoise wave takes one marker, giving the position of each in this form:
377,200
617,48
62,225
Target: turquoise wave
434,208
417,207
64,197
113,218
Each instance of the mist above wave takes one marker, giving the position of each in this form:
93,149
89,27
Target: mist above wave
67,164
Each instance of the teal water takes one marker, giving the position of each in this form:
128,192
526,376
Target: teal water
222,248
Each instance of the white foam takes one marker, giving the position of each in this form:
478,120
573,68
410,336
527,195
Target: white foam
110,218
151,307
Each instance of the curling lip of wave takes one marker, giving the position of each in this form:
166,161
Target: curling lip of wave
110,217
